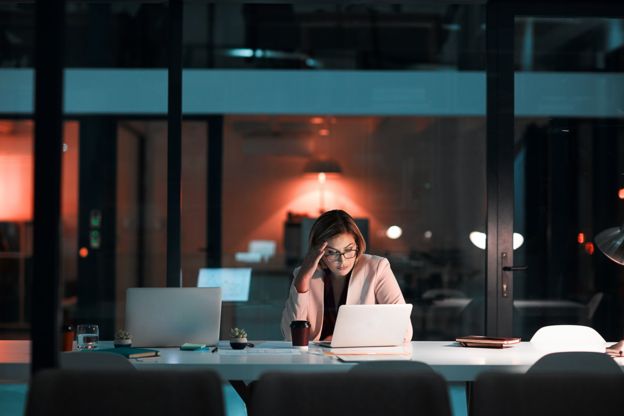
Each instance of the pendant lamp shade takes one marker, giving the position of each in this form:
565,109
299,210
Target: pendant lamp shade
611,243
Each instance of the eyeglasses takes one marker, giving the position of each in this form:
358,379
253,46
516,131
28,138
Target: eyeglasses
334,255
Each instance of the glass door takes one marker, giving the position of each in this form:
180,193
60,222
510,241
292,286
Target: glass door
568,172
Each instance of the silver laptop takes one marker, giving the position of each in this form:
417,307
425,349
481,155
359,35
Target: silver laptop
370,325
171,316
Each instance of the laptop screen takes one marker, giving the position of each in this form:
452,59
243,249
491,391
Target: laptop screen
166,317
234,282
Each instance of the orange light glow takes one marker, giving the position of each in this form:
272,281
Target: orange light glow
322,177
621,193
83,252
580,238
16,187
589,248
324,132
316,120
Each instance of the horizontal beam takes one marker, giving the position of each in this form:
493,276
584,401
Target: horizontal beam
400,93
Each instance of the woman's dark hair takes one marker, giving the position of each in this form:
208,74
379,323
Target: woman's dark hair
332,223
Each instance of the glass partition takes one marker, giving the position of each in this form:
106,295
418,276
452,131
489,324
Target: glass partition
568,171
17,29
392,95
116,107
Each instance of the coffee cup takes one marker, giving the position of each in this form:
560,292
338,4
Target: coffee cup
300,333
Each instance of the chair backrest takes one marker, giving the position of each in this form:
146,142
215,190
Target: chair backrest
391,366
345,394
576,362
94,360
105,393
555,338
547,394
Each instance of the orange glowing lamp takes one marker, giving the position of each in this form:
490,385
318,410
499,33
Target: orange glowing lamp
16,187
322,167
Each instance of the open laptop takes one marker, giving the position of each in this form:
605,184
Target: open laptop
233,281
171,316
370,326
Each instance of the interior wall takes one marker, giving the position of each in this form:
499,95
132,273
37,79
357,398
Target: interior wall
406,171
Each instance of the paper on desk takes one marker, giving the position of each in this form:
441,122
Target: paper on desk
260,351
362,351
372,357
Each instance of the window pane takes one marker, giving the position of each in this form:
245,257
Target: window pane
568,172
409,143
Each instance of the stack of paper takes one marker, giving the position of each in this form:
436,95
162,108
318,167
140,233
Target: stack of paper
401,350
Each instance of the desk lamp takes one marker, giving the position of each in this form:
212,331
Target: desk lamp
322,167
611,243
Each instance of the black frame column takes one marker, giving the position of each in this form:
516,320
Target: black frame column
174,145
214,194
500,157
49,52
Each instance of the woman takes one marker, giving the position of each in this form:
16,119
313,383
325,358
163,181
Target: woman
335,271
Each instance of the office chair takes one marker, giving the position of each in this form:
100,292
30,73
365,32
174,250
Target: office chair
132,393
353,393
557,338
548,394
584,362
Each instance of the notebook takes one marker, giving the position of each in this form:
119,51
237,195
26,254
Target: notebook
171,316
370,326
487,342
131,352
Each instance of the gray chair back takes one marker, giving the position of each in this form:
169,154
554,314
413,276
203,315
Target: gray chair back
119,393
391,366
351,393
548,394
576,362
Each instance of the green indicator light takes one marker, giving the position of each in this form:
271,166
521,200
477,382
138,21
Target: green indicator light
94,239
95,218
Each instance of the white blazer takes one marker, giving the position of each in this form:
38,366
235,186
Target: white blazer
371,282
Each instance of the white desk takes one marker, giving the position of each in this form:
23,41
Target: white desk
455,363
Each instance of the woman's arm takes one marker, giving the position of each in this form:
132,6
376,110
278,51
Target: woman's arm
310,263
296,308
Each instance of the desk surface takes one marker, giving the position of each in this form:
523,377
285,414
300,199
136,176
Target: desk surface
453,362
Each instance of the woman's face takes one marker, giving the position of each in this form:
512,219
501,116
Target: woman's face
339,249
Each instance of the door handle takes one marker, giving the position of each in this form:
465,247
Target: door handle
505,276
515,268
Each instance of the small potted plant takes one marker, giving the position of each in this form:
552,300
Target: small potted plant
122,339
238,338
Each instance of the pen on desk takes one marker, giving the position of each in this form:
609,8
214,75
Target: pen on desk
215,349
